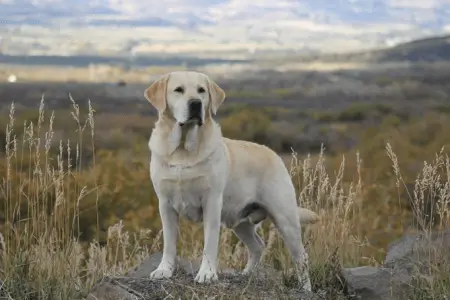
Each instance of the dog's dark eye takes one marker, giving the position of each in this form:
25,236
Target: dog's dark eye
179,89
201,90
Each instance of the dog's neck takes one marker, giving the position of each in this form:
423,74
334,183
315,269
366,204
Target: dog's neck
184,137
184,145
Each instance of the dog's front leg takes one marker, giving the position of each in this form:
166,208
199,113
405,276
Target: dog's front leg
169,219
212,209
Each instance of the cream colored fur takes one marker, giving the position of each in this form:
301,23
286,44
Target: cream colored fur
204,177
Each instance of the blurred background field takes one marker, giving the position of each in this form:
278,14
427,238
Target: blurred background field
74,155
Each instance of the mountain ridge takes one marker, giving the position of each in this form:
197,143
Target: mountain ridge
428,49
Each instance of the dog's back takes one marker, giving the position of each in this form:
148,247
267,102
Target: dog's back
257,178
251,158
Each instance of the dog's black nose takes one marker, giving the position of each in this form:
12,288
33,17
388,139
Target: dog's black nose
195,107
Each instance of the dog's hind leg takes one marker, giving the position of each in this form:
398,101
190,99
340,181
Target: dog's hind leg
285,216
246,232
287,223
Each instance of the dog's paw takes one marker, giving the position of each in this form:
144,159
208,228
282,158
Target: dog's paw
161,273
246,272
206,276
305,282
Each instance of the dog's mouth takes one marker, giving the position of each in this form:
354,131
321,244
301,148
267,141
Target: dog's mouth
194,120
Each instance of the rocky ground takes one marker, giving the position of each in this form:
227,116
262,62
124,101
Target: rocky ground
393,280
263,284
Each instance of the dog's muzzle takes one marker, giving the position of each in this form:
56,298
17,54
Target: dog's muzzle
195,112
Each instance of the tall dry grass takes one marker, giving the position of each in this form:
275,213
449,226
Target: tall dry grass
42,256
430,202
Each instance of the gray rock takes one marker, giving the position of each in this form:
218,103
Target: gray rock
415,250
109,289
395,279
265,283
371,283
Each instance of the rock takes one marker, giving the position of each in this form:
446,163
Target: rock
109,289
395,278
265,283
371,283
415,250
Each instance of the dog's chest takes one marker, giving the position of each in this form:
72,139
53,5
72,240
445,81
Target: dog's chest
185,189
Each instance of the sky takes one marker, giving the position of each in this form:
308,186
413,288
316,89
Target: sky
321,25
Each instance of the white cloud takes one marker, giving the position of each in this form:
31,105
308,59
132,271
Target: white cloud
414,16
417,4
267,24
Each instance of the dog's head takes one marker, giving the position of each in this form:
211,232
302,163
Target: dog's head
188,97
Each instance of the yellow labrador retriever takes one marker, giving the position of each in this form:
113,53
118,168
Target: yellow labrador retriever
204,177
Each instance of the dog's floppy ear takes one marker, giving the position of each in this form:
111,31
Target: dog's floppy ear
216,94
156,93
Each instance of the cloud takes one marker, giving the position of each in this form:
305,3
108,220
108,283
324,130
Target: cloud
418,5
223,24
415,4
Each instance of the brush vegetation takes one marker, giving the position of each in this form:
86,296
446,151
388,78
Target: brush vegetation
72,213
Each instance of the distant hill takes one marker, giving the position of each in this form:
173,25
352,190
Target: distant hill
428,50
424,50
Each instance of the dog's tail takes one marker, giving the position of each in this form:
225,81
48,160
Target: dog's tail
307,216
